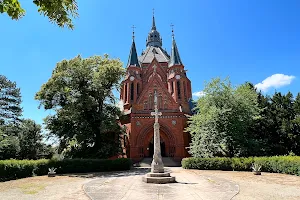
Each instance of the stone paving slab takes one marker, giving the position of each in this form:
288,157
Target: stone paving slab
189,186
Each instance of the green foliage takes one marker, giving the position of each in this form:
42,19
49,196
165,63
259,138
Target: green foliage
14,169
278,128
277,164
23,141
10,101
80,92
224,116
30,138
9,146
12,8
60,12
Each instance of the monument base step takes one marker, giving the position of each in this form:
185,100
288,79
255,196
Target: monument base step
159,178
165,174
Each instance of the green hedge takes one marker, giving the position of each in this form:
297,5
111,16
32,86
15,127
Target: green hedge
14,169
277,164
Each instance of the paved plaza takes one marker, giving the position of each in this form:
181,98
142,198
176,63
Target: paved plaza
189,186
128,185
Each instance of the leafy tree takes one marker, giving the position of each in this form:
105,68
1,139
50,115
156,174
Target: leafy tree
10,101
9,146
262,127
277,129
80,91
297,105
30,139
60,12
226,113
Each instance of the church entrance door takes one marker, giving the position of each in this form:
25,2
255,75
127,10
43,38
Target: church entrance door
162,148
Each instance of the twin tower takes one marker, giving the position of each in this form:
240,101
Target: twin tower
155,71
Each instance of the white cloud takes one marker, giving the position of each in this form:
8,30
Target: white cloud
199,94
275,81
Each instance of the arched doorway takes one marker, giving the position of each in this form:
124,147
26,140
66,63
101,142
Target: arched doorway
162,148
144,142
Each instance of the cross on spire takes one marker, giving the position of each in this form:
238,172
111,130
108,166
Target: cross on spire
172,26
133,27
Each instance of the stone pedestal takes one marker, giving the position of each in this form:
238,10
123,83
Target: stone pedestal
159,178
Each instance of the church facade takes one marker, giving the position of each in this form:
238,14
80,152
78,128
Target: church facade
155,71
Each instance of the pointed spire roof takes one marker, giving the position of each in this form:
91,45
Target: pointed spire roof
175,57
154,38
133,58
153,23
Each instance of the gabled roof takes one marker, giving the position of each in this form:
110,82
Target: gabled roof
155,79
175,57
133,58
151,52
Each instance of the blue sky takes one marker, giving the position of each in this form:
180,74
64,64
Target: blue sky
245,40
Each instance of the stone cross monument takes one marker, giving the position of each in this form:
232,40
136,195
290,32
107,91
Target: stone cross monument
157,174
157,165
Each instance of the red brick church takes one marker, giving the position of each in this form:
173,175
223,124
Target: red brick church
155,70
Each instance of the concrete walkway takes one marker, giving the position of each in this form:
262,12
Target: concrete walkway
190,185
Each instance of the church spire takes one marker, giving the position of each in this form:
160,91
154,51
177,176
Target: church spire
153,22
175,57
133,58
154,38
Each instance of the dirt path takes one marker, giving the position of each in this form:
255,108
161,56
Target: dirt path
268,186
43,187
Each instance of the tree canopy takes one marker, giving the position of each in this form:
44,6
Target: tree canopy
239,121
19,138
80,91
60,12
10,101
224,115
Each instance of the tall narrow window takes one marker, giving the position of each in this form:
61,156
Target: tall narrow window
160,101
178,90
184,90
138,88
125,92
150,102
131,91
172,88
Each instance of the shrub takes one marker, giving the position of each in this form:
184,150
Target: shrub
277,164
14,169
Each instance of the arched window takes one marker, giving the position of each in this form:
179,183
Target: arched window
184,90
126,92
160,105
178,90
131,91
150,102
138,88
